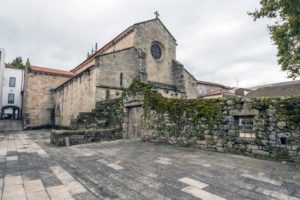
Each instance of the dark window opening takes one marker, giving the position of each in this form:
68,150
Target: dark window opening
12,82
121,79
283,141
11,98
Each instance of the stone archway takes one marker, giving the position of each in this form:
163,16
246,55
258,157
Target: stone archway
10,112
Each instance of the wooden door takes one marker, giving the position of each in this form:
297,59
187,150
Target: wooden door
134,123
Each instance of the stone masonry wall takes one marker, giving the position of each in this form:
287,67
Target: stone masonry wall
127,63
38,98
102,123
145,35
190,85
106,115
125,43
178,75
257,127
78,95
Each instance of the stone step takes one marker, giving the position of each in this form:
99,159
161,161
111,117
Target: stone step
100,117
82,136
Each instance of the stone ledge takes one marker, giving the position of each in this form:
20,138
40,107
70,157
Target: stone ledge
110,87
57,137
244,112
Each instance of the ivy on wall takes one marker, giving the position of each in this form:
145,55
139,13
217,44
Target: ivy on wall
174,115
208,122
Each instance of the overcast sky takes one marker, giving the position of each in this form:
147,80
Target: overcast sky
217,40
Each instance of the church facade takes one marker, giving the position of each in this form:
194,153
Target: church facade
145,51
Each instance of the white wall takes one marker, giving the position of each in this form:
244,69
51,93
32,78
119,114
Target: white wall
18,74
204,89
214,96
2,58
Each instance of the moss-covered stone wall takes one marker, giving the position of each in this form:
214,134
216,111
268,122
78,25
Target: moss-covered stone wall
219,124
106,115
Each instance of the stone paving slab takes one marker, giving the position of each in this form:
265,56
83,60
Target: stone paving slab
14,192
39,195
31,168
33,186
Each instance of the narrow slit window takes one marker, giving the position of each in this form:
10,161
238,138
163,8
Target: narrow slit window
107,94
121,79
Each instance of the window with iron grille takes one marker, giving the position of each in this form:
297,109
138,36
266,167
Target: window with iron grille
245,126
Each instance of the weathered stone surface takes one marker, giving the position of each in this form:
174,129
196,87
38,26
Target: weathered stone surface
151,171
281,124
270,133
58,137
108,72
243,112
38,98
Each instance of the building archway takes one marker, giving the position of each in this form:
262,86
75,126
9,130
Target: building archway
10,112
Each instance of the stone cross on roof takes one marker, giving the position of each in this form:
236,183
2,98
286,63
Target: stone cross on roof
156,14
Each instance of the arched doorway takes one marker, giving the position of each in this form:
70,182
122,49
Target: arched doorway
10,112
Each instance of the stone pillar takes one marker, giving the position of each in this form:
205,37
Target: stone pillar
178,76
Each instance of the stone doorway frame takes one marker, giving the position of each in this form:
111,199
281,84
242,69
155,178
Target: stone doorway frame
132,102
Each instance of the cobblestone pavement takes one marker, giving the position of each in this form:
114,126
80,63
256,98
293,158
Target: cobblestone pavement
31,168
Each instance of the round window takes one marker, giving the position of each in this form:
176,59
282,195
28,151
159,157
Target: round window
156,51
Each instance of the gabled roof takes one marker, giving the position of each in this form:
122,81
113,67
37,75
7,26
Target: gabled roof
223,92
52,71
12,67
275,84
211,84
44,70
213,93
292,89
115,40
105,47
136,24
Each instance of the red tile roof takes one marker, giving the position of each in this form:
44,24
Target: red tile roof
214,92
45,70
11,66
211,84
52,71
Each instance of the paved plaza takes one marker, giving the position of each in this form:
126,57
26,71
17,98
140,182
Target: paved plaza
31,168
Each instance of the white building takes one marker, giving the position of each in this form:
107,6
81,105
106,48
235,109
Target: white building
2,58
12,82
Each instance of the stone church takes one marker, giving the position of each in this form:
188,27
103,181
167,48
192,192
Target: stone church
145,50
